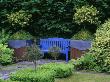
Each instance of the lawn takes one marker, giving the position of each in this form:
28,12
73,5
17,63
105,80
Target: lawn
86,77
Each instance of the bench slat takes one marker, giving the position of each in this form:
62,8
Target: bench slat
63,44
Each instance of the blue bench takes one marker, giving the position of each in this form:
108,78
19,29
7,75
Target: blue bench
63,44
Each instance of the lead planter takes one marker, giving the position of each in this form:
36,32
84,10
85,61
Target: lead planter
17,43
19,47
78,48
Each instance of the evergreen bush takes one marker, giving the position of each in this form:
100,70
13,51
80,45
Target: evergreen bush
83,35
86,14
21,35
5,54
98,57
29,75
62,70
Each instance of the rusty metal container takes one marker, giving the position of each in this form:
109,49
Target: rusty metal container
79,48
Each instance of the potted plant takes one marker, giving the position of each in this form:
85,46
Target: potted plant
20,39
18,42
54,52
80,43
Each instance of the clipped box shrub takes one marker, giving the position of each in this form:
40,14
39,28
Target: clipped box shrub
21,35
61,69
7,80
44,73
83,34
29,75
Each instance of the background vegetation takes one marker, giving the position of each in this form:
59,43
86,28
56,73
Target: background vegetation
51,18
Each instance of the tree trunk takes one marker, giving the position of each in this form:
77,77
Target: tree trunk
35,65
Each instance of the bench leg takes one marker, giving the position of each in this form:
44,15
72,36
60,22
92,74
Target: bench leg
66,56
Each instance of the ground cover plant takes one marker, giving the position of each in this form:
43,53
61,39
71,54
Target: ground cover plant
44,73
7,81
62,70
29,75
81,77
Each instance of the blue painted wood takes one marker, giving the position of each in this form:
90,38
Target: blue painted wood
62,43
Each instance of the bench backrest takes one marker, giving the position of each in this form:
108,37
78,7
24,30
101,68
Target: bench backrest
54,42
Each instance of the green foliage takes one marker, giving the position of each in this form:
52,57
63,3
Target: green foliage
61,69
54,52
78,3
50,18
83,35
52,28
5,55
98,57
7,80
86,14
101,46
44,73
86,62
21,18
4,36
21,35
28,75
34,53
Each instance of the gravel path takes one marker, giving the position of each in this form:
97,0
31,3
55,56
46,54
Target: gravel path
6,70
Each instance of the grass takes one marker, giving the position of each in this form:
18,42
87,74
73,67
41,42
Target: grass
86,77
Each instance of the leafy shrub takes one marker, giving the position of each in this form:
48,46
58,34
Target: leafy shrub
7,80
21,18
86,14
4,37
83,35
99,59
54,52
28,75
86,62
61,69
21,35
5,55
101,46
44,73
